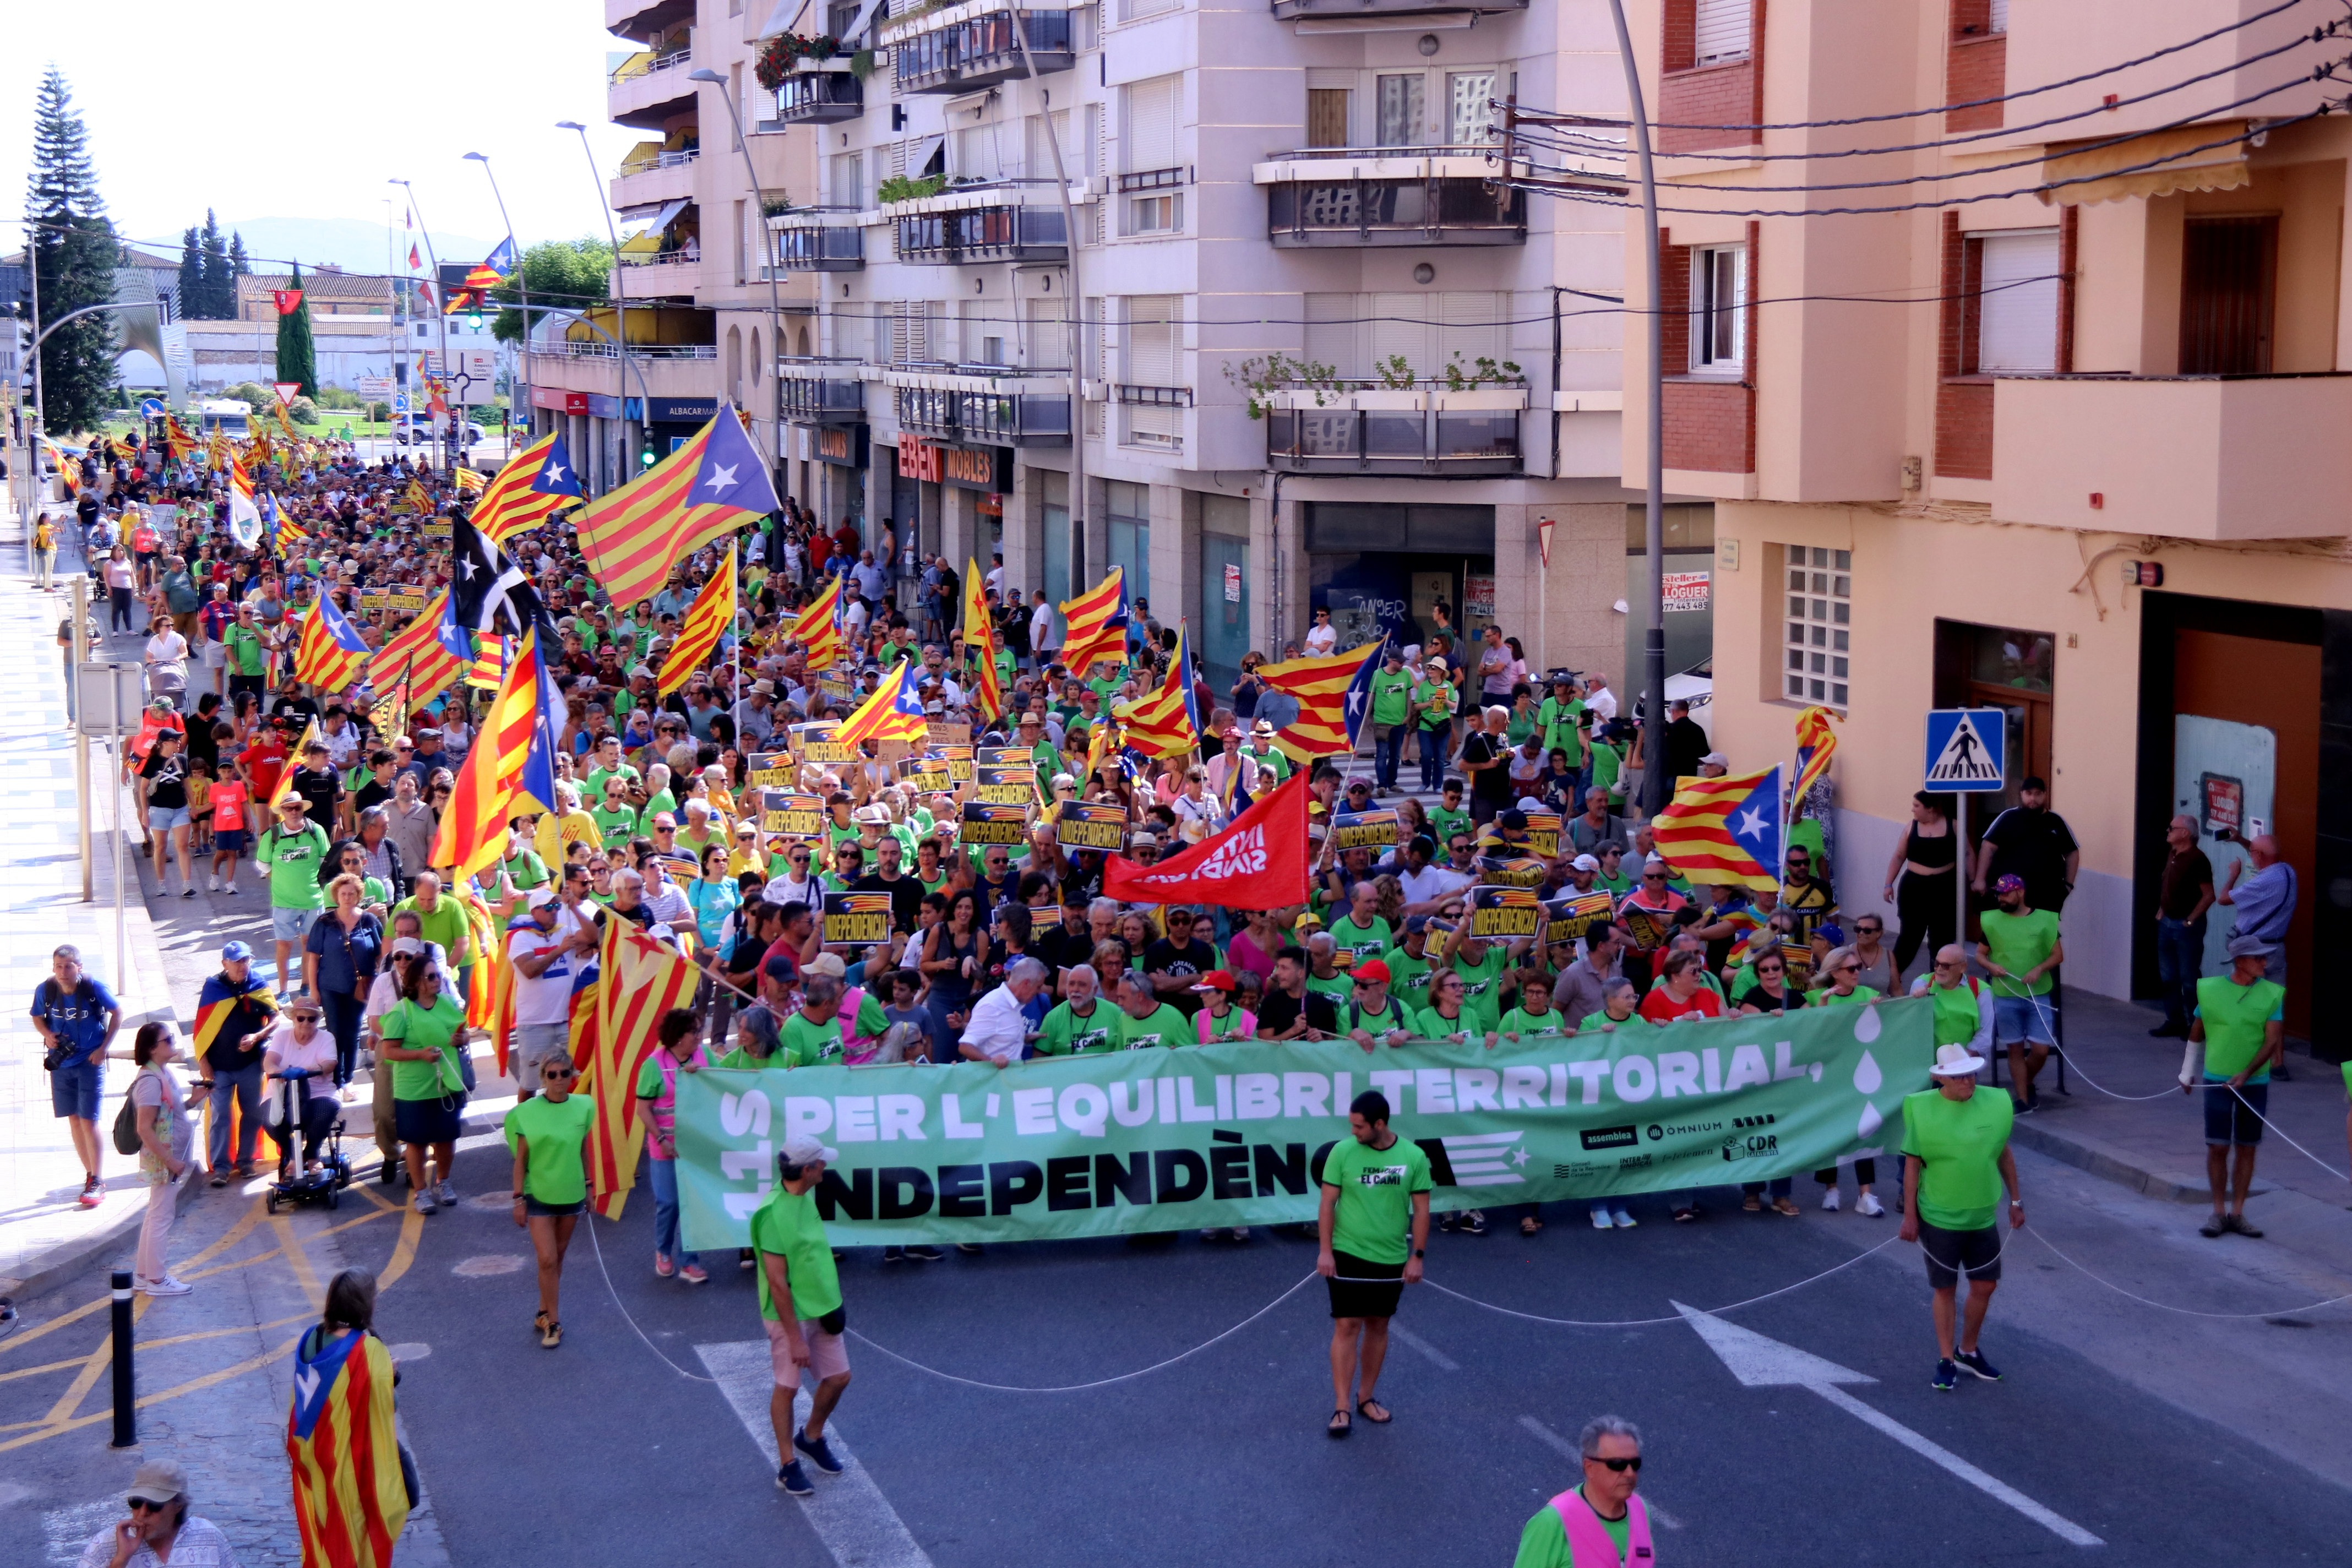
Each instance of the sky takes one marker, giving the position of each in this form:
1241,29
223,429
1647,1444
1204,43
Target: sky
260,110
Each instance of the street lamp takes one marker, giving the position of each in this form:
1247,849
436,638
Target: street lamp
441,315
522,289
620,288
760,202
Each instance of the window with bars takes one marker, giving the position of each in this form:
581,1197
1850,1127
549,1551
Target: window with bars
1817,629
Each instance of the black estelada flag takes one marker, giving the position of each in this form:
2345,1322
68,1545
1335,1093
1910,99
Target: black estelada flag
488,592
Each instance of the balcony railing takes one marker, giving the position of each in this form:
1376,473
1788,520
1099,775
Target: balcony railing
646,63
996,418
679,256
820,249
1296,10
821,98
1433,435
823,401
1152,397
669,158
597,348
1391,195
972,52
991,227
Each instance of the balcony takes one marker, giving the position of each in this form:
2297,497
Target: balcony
646,179
1336,16
978,224
658,274
817,240
965,48
1439,433
2196,457
1359,197
597,348
822,391
827,94
649,89
981,405
645,18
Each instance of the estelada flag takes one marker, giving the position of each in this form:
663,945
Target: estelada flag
1258,863
639,980
633,537
709,618
331,652
981,632
350,1503
892,713
1815,744
1724,830
1096,625
818,627
1323,687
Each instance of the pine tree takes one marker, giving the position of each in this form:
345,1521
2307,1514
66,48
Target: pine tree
237,265
219,292
297,358
192,275
74,253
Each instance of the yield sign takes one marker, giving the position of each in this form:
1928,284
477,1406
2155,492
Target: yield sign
285,391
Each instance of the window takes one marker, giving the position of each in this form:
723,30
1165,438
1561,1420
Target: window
1162,214
1136,10
1327,116
977,153
1722,31
1153,357
1818,623
1353,333
845,183
1128,526
1718,291
2017,300
2229,287
2000,19
1148,126
1402,104
1468,93
1049,334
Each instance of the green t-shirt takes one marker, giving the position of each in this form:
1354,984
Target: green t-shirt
1434,1026
1561,733
1392,696
444,923
742,1059
245,651
1407,976
1606,762
1376,1186
1520,1022
2018,943
1544,1542
1364,941
525,870
1480,993
1862,993
415,1029
1396,1015
596,777
293,859
1619,885
2234,1016
787,1224
1065,1034
613,824
1163,1025
1338,986
557,1133
807,1043
1444,823
1958,1143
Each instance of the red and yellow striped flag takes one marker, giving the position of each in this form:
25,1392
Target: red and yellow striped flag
1723,830
1321,685
489,1007
633,537
707,620
285,790
1098,625
538,481
1163,723
892,713
1815,743
350,1503
638,979
489,670
818,627
980,632
473,830
416,654
332,653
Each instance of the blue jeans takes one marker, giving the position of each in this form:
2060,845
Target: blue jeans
1388,753
242,1089
1433,747
664,1176
2180,956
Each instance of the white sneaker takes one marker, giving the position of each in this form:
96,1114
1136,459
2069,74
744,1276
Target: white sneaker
1830,1201
232,887
1624,1221
1868,1206
1600,1220
212,882
166,1285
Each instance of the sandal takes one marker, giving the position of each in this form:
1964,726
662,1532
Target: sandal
550,1336
1366,1406
1529,1226
539,1324
1752,1204
1786,1206
1340,1424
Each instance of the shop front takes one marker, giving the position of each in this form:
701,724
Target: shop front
840,452
1398,571
670,422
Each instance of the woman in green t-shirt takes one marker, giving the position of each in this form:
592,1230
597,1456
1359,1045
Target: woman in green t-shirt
550,1135
422,1041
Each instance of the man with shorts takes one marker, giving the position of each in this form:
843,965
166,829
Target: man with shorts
291,852
547,945
1956,1162
2240,1019
2020,951
1374,1184
77,1017
800,1306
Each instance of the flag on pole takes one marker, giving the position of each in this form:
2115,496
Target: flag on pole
1324,727
639,980
414,497
1096,620
511,767
244,513
176,439
538,481
332,653
418,656
489,670
69,471
489,1004
981,632
467,481
1724,830
285,790
389,716
633,537
1167,723
707,619
818,627
1816,741
892,713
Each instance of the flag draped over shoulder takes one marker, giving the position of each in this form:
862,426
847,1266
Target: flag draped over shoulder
331,652
638,979
1321,687
489,1006
707,619
527,491
1816,741
1167,723
1096,620
417,656
818,627
350,1503
634,536
981,632
512,762
1724,830
894,713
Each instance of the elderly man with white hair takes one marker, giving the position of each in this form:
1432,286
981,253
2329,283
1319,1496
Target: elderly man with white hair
998,1030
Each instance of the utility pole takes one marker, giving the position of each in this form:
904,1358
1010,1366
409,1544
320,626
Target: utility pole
522,289
1073,303
620,302
440,312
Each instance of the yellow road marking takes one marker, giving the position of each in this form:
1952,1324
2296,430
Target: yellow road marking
229,1238
209,1379
298,1259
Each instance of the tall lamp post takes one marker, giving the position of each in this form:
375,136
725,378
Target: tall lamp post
760,201
440,309
522,289
619,289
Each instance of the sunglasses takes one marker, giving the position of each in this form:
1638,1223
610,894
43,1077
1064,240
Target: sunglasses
558,1072
1620,1465
146,1505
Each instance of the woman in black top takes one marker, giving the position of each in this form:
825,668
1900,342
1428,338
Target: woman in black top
165,777
1919,882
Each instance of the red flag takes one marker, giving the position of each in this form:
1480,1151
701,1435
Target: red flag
289,301
415,260
1258,863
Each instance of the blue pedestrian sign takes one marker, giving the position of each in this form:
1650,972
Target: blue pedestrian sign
1967,753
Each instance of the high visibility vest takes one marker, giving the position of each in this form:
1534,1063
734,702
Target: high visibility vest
1588,1537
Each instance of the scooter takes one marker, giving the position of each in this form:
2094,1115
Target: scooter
298,1183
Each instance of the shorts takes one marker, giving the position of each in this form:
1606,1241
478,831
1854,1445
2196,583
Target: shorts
533,1209
829,1356
1353,1299
428,1121
163,818
74,1089
215,656
1948,1252
532,1043
2022,1020
2235,1119
292,925
231,840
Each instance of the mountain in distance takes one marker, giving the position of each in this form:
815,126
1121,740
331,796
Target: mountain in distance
354,245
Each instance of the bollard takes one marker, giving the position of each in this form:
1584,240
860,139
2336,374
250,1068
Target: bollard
126,1412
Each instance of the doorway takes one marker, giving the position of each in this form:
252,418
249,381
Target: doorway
2229,287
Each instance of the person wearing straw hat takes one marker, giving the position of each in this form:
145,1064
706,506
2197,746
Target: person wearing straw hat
1956,1159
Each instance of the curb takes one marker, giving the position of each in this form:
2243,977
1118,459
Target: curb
2106,1162
66,1258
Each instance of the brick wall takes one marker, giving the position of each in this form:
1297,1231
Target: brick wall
1729,94
1975,66
1964,428
1710,421
1963,399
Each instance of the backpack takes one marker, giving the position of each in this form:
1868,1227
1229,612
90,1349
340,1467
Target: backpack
58,1054
126,1121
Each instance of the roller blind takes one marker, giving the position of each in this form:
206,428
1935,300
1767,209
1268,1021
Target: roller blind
1723,29
2018,324
1149,135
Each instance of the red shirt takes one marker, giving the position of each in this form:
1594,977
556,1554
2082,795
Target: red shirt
265,761
1660,1006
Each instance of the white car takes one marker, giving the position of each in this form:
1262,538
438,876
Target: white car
421,432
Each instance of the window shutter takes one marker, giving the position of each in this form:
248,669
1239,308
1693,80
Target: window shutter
1152,334
2018,323
1149,136
1332,334
1400,325
2001,15
1049,335
1472,329
1723,30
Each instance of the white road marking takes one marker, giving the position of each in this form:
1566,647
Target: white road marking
849,1513
1562,1447
1761,1363
1407,1337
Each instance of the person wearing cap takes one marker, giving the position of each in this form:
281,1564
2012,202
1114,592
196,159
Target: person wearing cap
2240,1020
801,1309
1372,1017
1220,1019
2019,950
292,851
1433,702
547,946
235,1011
1714,765
550,1135
1956,1161
160,1528
1559,716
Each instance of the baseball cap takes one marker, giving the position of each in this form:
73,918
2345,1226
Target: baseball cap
1216,980
779,967
1364,784
235,951
543,897
159,1481
2009,883
805,1148
405,944
1715,760
1514,819
1415,923
1372,969
825,964
1584,863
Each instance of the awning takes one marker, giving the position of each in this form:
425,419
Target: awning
644,155
2207,157
650,241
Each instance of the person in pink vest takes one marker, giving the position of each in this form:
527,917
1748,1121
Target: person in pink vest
657,1087
1599,1523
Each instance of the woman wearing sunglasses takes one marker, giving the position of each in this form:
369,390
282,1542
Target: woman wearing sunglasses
549,1132
1842,969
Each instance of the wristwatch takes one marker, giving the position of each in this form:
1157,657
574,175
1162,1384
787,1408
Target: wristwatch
1418,1252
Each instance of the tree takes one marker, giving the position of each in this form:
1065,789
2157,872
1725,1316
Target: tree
74,255
297,360
237,265
566,274
220,289
192,275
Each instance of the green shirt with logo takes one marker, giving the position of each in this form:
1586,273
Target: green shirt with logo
1163,1025
1065,1034
787,1224
1374,1213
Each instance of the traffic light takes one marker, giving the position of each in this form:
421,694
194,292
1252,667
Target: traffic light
646,459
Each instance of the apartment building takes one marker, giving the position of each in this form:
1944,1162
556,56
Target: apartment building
2053,424
1323,354
696,304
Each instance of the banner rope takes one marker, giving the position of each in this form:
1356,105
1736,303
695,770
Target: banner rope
690,1376
2184,1311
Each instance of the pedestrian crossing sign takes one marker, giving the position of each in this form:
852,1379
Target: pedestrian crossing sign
1966,750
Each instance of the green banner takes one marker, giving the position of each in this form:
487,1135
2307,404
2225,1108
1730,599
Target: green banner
1234,1134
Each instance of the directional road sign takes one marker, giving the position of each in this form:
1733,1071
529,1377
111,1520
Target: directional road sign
1966,750
151,408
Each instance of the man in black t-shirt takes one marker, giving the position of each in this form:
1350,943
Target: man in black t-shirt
2031,842
905,892
321,787
1290,1010
1177,959
1485,755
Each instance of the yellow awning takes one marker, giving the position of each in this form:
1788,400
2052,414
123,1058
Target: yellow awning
644,155
2207,157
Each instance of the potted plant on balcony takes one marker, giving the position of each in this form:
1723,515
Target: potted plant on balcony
778,55
1262,378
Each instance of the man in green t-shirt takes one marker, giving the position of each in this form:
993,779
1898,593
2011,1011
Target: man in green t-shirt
800,1306
1956,1162
1375,1185
2019,950
1602,1513
1393,687
443,921
1082,1022
292,850
1374,1017
1145,1020
2240,1019
1361,931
